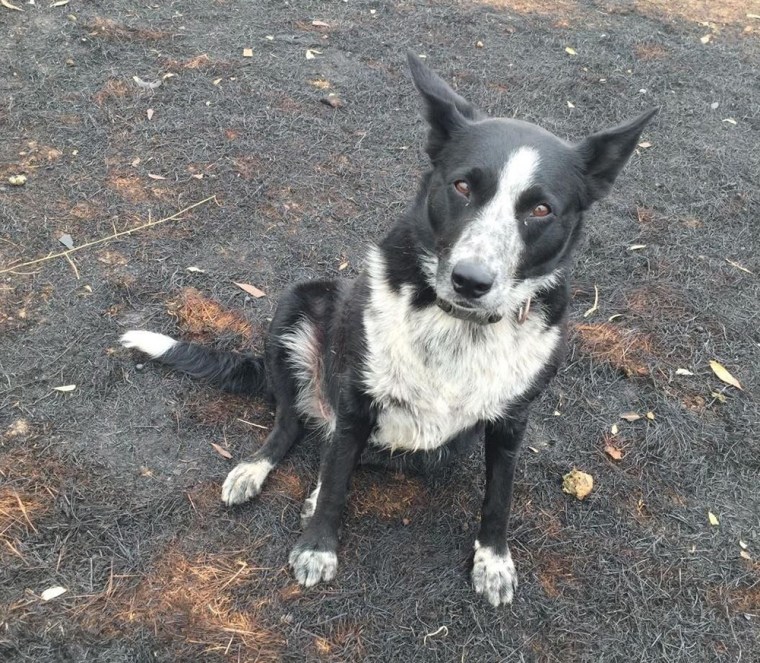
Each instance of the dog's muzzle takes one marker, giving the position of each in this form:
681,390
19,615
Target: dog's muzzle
478,316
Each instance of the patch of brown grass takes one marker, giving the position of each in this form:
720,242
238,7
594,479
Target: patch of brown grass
204,318
724,12
650,52
113,88
284,481
189,600
19,309
554,572
543,7
129,187
387,498
18,511
106,28
623,349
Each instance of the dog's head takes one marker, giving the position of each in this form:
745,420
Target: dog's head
505,199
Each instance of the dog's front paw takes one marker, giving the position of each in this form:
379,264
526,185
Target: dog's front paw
311,565
494,575
245,481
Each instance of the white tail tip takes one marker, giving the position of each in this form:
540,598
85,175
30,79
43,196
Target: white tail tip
151,343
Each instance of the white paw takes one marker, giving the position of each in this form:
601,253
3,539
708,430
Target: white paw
313,566
494,575
150,343
310,505
245,481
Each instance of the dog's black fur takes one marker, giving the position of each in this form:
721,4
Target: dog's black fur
479,262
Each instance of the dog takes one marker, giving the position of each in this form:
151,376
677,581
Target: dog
457,323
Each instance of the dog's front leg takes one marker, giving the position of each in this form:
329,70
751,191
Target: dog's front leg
493,572
314,557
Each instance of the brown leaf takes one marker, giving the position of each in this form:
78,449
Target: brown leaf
613,452
253,291
630,416
320,24
66,387
156,177
221,451
724,375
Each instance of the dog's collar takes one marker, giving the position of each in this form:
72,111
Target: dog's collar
481,317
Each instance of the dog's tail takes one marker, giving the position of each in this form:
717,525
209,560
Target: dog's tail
233,372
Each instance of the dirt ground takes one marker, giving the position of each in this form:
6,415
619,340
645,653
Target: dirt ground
111,490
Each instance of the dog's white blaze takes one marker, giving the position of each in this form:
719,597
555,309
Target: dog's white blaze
306,359
493,575
310,504
433,376
151,343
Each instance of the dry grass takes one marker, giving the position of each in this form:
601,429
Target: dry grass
554,573
725,12
204,319
387,497
543,7
113,88
106,28
623,349
189,603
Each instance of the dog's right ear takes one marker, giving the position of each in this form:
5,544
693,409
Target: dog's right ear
445,110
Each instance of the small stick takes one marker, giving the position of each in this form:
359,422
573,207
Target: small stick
66,253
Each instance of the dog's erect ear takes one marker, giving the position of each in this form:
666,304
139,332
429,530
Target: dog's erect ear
605,153
445,110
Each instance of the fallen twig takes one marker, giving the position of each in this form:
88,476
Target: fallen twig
65,254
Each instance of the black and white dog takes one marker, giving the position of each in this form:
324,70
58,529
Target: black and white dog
455,326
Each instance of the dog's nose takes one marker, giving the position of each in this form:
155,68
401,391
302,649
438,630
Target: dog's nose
471,279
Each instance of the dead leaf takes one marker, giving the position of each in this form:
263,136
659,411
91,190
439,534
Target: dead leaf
570,104
253,291
217,81
646,144
311,53
136,162
650,416
60,3
149,113
320,24
156,177
577,483
724,375
196,269
718,396
745,555
52,592
221,451
570,51
533,449
705,39
742,545
67,241
637,247
713,519
613,452
730,120
683,371
614,430
342,266
65,388
197,176
614,317
630,416
146,85
247,52
8,5
596,303
321,84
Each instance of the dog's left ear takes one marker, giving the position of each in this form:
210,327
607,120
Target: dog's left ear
605,153
445,110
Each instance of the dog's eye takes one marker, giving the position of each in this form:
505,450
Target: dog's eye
463,188
541,210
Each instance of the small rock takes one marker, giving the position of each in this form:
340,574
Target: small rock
577,483
139,367
17,180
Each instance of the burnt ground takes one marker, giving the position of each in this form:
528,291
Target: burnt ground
111,490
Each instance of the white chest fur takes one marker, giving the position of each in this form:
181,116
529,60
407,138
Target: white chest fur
433,376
